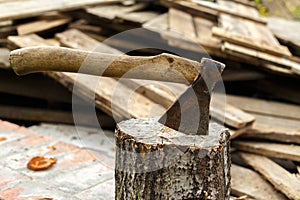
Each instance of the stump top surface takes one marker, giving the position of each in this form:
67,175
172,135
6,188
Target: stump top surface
150,131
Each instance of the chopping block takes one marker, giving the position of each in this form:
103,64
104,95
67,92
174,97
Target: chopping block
156,162
179,155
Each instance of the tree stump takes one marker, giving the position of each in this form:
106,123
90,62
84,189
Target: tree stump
156,162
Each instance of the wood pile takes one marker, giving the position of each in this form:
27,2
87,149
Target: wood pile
262,76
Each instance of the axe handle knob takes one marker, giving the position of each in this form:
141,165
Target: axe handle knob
163,67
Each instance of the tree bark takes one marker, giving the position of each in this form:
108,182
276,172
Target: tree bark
156,162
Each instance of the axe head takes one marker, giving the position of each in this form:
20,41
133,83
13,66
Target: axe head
190,112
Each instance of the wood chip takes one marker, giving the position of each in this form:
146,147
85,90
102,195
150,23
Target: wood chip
51,147
39,163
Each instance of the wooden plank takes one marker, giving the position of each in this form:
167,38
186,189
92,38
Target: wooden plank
232,116
204,32
233,9
31,8
249,34
110,12
276,150
192,8
139,17
281,179
248,42
76,37
160,26
44,23
264,107
158,23
182,23
230,48
275,129
25,41
4,58
245,182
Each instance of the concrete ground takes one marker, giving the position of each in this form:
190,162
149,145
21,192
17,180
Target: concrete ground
84,168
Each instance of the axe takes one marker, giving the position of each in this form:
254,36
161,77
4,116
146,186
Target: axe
190,112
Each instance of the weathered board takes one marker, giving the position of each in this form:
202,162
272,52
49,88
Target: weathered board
204,32
264,107
282,180
182,23
192,8
247,182
249,34
274,128
258,56
249,42
273,120
32,8
276,150
43,23
234,9
110,12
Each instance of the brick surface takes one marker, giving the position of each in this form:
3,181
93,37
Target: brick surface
79,173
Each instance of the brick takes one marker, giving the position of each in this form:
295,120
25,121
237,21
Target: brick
102,191
75,174
7,126
11,193
84,178
7,176
32,190
23,144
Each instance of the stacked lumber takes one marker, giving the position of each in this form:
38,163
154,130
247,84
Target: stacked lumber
265,134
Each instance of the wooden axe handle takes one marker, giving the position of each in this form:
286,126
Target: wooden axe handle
163,67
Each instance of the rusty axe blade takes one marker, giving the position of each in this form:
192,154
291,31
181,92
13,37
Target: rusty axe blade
190,112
